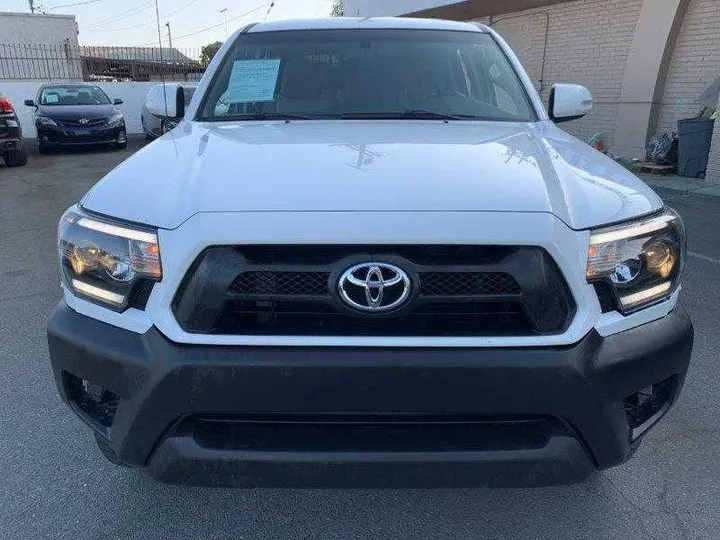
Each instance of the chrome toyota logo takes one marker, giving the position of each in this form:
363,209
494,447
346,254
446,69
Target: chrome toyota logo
374,287
83,121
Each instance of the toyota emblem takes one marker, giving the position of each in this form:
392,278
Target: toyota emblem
83,121
374,287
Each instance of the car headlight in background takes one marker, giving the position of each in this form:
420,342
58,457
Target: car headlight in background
45,121
116,119
641,262
106,261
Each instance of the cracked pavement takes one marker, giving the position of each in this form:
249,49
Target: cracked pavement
56,484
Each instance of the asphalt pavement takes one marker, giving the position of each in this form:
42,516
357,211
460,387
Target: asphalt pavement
55,484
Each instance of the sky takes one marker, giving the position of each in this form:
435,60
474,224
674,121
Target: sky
132,22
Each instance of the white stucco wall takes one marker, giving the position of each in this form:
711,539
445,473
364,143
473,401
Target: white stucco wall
33,29
37,46
132,93
390,8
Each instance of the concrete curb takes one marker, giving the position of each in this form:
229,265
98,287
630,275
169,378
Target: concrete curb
679,186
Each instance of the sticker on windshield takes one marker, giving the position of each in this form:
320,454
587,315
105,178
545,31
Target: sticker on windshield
253,80
52,98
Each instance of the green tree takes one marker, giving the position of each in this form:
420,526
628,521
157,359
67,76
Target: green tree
208,51
338,10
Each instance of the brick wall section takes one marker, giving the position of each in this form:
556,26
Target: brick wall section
588,43
694,65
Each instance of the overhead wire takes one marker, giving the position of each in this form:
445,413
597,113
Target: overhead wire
142,25
215,25
71,5
123,15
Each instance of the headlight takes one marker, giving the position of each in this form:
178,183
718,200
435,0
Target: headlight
116,119
106,261
45,121
641,262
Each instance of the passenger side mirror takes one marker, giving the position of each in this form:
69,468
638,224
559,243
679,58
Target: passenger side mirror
166,104
30,103
569,102
117,101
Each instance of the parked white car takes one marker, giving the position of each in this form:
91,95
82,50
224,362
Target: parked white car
155,125
368,256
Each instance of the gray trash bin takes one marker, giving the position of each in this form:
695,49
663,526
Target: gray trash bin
694,138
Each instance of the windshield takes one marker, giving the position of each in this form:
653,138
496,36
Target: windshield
73,95
356,74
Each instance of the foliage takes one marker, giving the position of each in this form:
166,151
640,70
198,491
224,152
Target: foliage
208,51
338,10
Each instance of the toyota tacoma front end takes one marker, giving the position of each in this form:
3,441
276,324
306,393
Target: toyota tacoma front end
368,257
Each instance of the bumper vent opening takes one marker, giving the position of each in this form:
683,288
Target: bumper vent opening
645,407
370,433
98,404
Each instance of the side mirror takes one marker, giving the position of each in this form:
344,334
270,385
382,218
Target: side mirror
30,103
117,101
166,104
569,102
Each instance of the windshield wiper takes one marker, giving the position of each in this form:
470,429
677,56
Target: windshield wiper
410,114
257,116
272,116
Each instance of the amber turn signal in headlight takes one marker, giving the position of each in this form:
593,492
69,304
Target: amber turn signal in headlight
105,261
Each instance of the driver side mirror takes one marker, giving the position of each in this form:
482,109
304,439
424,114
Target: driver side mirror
117,101
569,102
30,103
169,103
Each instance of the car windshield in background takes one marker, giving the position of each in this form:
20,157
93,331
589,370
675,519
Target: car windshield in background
73,95
366,74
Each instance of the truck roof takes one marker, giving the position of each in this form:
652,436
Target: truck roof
342,23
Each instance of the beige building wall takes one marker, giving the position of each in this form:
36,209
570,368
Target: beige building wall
694,65
588,43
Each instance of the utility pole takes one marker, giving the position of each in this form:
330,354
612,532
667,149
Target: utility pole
224,12
32,6
169,34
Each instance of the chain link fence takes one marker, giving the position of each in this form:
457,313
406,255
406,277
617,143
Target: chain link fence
98,63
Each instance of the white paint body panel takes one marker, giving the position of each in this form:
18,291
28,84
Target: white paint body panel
571,101
361,166
371,182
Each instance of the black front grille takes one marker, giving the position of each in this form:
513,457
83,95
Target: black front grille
281,283
467,283
293,290
310,318
91,122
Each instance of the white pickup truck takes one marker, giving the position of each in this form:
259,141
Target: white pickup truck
367,256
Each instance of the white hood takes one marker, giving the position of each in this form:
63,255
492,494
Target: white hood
346,166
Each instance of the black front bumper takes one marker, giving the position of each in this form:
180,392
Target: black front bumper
258,416
51,136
